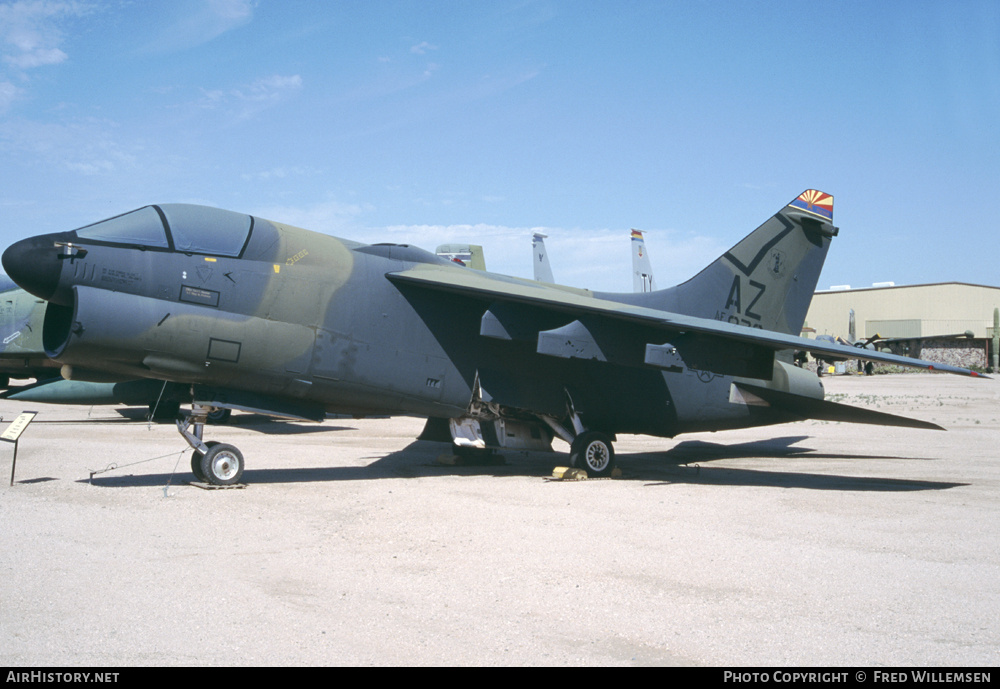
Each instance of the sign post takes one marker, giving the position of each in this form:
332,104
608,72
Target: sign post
13,433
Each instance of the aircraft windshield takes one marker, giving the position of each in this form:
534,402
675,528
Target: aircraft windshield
204,230
142,227
191,229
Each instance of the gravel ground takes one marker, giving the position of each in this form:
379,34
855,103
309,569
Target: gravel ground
804,544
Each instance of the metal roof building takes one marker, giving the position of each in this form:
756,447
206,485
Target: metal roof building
941,309
921,319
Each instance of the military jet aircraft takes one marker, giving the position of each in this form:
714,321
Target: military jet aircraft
827,361
257,315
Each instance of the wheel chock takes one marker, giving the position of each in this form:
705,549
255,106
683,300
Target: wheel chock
569,474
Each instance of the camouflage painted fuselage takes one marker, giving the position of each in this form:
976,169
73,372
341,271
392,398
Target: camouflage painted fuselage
255,314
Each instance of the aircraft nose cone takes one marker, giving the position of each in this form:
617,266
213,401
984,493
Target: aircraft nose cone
34,265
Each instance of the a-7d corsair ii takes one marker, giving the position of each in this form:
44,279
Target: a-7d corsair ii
257,315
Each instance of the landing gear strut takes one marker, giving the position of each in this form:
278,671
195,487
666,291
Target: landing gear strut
211,462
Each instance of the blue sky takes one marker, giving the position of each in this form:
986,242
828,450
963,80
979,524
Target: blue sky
435,121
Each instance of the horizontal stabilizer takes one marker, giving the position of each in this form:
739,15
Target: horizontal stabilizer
811,408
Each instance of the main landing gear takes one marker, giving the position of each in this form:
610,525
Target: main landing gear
593,452
211,462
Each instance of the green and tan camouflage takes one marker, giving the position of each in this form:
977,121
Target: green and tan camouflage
258,315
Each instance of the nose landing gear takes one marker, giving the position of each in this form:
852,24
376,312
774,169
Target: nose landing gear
211,462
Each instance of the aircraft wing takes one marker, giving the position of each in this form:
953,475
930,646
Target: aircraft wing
603,327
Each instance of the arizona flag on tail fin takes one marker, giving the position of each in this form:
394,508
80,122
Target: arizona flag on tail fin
815,202
768,278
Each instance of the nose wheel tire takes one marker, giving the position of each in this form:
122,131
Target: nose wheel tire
593,452
196,458
222,465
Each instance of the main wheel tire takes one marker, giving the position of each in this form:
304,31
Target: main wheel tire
219,416
593,452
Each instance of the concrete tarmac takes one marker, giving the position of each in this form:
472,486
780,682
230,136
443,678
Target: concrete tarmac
813,543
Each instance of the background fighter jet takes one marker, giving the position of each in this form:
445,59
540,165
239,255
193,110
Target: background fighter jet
470,255
21,352
257,315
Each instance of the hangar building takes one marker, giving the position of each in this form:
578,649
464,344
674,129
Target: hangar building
920,320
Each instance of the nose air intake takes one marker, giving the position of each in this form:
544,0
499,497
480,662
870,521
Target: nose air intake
56,329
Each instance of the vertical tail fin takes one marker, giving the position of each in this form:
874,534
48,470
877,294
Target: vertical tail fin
642,270
543,272
767,280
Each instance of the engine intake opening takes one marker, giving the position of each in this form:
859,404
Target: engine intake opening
56,328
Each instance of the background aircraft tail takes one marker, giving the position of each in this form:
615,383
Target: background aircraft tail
767,280
543,271
642,270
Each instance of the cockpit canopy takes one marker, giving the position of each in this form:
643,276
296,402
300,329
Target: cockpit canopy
176,227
